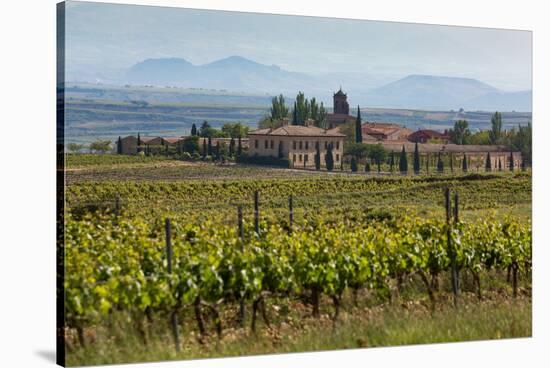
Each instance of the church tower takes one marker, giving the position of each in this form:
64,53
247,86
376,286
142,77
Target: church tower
340,103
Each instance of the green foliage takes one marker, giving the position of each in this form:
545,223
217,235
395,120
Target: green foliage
279,110
76,147
100,146
263,160
460,133
190,144
193,130
464,164
317,157
230,130
440,166
488,166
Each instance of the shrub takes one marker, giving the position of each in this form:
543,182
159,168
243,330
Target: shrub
263,160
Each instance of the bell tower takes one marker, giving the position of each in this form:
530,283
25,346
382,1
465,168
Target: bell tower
340,103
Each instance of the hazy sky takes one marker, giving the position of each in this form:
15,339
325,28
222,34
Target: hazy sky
106,38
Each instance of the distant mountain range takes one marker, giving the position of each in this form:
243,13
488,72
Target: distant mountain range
235,73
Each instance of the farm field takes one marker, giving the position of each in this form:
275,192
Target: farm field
365,261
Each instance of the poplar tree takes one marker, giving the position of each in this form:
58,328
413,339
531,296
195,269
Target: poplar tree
416,160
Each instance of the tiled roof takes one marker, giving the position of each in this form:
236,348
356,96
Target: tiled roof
173,139
298,131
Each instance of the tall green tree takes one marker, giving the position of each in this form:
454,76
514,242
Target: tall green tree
232,147
295,115
495,134
210,151
460,132
321,120
403,164
451,163
317,157
499,165
416,159
217,150
511,161
378,153
239,147
358,130
367,167
329,159
464,163
522,141
118,146
488,166
392,162
193,130
279,110
353,164
204,148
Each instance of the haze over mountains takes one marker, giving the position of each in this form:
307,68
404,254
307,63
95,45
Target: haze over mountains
239,74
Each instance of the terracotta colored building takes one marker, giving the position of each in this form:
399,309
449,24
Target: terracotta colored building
426,135
384,132
297,143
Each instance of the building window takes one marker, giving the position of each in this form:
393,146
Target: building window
293,144
255,143
300,158
294,158
300,144
271,144
265,144
337,157
307,145
305,158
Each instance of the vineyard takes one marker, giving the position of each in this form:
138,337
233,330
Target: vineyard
194,268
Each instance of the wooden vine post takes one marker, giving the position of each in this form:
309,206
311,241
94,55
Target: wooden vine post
241,316
256,213
174,315
450,249
290,214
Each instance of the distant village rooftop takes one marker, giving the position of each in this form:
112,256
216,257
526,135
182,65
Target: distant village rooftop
308,130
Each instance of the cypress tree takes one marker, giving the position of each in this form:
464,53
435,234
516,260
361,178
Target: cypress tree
232,147
488,162
353,164
523,164
329,160
403,164
294,115
210,151
439,163
281,154
392,162
451,159
119,146
464,163
239,147
138,144
416,160
317,157
193,130
511,163
367,167
358,132
499,165
204,151
427,162
217,151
